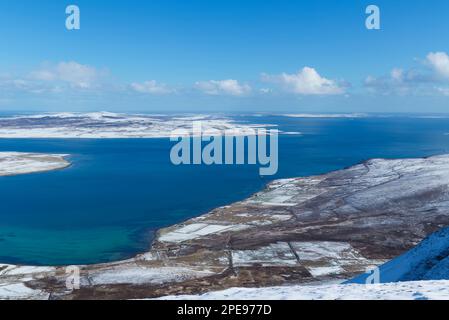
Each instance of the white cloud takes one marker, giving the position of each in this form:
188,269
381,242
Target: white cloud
151,87
265,90
306,82
428,78
397,82
223,87
21,85
72,73
443,91
439,62
397,75
43,75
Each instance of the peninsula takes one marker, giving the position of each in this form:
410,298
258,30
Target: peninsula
317,230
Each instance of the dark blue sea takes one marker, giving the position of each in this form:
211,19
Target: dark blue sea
109,203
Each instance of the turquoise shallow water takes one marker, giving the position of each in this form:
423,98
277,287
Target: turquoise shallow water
117,193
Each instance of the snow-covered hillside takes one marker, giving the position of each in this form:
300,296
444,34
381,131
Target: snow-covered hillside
421,273
113,125
420,290
427,261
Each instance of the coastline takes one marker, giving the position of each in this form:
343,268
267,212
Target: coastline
296,231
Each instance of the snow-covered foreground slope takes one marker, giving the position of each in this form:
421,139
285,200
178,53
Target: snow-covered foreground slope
421,273
419,290
13,163
112,125
427,261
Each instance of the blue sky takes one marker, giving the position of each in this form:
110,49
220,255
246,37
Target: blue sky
217,55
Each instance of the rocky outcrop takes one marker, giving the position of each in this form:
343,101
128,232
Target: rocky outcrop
303,230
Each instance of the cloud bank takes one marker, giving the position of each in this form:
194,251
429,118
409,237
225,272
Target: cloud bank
72,80
72,73
306,82
223,87
439,61
152,87
429,78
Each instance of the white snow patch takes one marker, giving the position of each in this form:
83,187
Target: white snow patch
323,258
313,251
141,275
25,270
325,271
16,291
277,254
198,230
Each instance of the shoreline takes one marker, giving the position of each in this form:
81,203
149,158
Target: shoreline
157,232
293,232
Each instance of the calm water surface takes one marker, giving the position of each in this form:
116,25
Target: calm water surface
117,193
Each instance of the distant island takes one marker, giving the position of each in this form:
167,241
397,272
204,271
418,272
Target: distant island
14,163
107,125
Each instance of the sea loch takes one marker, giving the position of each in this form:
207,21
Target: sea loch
118,192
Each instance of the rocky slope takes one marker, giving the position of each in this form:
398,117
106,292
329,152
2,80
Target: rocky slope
297,231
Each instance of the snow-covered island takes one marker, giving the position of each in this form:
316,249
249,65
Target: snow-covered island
14,163
300,238
102,125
